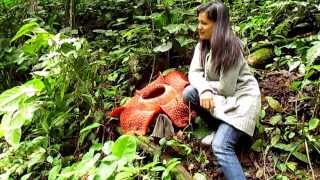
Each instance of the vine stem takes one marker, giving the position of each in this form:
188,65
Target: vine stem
264,161
154,57
311,168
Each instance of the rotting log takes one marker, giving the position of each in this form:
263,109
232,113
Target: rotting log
260,57
280,42
179,171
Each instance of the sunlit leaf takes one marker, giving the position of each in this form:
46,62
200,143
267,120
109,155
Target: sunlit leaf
275,119
91,126
313,53
183,41
290,120
274,104
199,176
13,136
275,136
125,147
293,65
292,165
10,99
26,29
54,172
313,123
163,47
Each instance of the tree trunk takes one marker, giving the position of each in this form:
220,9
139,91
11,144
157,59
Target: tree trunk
70,13
34,6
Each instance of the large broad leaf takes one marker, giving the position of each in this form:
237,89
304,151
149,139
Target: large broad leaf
125,147
183,41
33,45
16,111
13,137
10,99
313,53
163,47
105,170
25,29
175,28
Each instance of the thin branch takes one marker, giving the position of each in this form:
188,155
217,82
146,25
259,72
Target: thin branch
307,149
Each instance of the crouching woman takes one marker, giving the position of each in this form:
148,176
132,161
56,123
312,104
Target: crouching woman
222,84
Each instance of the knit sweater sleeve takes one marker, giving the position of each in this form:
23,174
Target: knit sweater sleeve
196,73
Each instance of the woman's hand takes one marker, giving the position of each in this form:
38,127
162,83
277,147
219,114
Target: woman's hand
206,100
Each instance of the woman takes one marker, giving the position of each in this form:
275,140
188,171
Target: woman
221,83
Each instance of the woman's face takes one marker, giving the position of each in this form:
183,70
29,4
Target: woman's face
205,26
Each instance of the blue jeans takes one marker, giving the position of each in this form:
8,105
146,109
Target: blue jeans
224,142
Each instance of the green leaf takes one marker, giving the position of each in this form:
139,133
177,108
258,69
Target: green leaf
293,65
26,29
313,123
313,53
292,166
124,175
285,147
275,139
175,28
113,76
258,145
275,136
183,41
38,156
316,67
107,147
163,47
91,126
282,167
275,119
274,104
33,45
295,85
281,177
199,176
54,172
291,135
125,147
26,176
10,99
158,168
290,120
169,167
302,157
13,137
106,170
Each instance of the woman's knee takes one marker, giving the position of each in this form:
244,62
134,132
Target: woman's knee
218,146
189,94
225,139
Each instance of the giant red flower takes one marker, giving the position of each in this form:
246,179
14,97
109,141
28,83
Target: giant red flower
163,95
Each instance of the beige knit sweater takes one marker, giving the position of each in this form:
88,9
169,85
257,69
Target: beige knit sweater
236,92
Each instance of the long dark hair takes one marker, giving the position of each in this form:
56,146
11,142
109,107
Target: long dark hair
225,45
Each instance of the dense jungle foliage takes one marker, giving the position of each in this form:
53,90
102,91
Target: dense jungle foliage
65,63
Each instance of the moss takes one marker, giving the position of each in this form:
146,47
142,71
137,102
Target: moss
260,57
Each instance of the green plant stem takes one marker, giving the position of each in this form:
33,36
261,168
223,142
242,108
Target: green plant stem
307,149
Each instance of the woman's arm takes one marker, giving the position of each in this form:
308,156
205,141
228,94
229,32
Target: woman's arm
196,73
